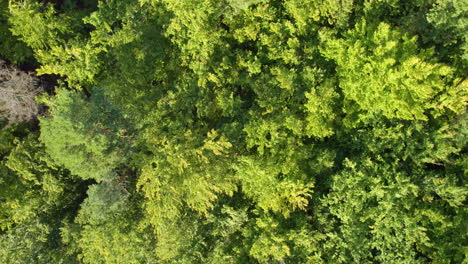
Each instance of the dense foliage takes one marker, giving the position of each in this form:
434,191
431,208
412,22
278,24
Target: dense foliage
234,131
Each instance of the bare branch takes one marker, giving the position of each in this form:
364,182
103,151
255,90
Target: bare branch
17,92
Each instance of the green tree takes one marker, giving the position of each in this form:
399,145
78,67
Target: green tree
90,137
11,48
382,71
36,195
239,131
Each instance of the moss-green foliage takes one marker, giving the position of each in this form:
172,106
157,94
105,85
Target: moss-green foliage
450,20
239,131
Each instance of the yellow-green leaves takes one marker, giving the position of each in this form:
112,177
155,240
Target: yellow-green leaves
272,186
322,109
218,146
239,131
39,25
308,12
382,71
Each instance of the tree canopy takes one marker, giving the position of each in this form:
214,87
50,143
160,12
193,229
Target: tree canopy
233,131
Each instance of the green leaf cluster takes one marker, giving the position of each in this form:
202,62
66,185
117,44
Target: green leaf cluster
238,131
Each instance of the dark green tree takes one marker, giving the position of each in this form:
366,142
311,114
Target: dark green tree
83,131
